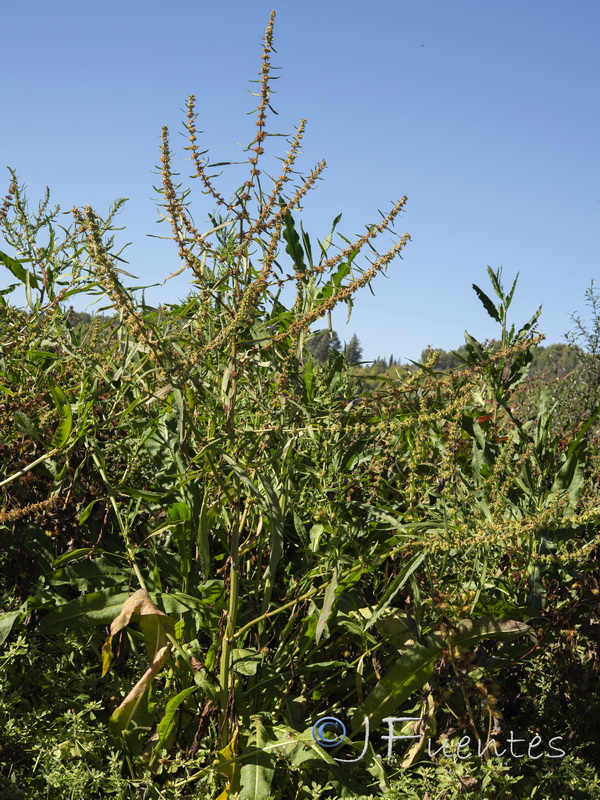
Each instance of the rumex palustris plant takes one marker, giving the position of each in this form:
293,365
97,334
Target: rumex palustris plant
263,547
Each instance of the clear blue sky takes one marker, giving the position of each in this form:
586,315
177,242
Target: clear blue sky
487,115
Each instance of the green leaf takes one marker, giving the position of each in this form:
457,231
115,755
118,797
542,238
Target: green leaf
575,444
410,673
25,424
155,628
473,347
18,271
258,766
181,514
6,390
141,494
511,293
395,587
302,751
203,537
529,325
293,247
246,661
166,727
489,306
495,279
133,719
320,666
308,380
327,606
90,574
316,532
7,620
95,608
571,475
537,594
87,511
72,555
325,244
9,290
341,272
307,245
470,632
571,478
65,425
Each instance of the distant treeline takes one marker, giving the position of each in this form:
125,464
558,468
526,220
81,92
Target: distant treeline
553,361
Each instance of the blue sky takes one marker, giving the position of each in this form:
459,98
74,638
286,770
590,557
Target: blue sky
487,115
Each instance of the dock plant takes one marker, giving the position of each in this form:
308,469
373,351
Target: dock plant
236,543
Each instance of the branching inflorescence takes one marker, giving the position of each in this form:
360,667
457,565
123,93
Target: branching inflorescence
248,287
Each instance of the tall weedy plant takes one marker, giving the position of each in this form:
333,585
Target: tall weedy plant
215,397
263,549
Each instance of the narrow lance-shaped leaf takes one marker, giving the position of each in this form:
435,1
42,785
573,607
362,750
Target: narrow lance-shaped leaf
168,723
182,533
327,606
495,279
395,587
307,245
18,271
293,247
95,608
470,632
529,325
258,767
511,293
489,306
410,673
65,424
325,243
7,620
537,594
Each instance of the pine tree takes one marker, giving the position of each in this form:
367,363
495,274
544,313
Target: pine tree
322,343
353,351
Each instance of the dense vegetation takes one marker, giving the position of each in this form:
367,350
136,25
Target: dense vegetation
213,539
